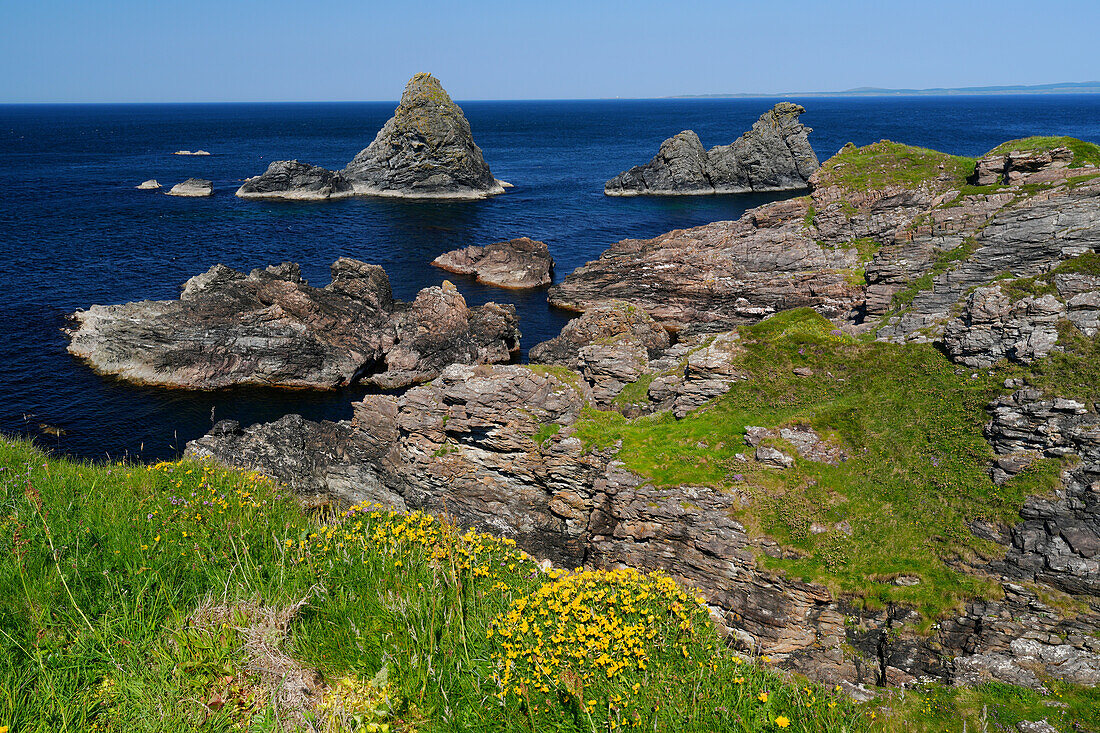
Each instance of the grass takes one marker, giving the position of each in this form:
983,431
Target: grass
885,163
991,706
178,597
1084,153
916,471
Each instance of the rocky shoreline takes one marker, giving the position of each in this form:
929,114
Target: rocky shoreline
995,261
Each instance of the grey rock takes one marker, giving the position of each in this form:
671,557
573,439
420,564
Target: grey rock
149,185
271,328
775,155
426,150
289,179
517,263
609,322
193,187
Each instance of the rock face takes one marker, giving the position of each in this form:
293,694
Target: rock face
149,185
289,179
722,274
271,328
426,150
775,155
193,187
517,263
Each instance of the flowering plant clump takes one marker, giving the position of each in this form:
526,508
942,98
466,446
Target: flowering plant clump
595,629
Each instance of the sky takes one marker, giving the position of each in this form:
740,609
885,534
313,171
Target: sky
274,50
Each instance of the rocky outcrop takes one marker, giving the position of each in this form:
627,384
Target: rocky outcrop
775,155
888,239
1012,166
722,274
518,263
459,445
613,321
289,179
149,185
193,187
272,328
994,325
190,152
426,150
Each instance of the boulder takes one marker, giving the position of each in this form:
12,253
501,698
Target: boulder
290,179
775,155
517,263
149,185
193,187
272,328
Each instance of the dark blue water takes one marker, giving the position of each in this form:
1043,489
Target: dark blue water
74,231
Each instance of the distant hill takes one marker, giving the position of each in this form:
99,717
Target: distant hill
1069,87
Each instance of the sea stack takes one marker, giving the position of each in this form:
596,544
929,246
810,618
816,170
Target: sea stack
426,150
775,155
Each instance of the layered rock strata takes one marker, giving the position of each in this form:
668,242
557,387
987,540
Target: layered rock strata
517,264
271,327
775,155
426,150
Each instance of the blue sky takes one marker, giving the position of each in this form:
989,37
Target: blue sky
273,50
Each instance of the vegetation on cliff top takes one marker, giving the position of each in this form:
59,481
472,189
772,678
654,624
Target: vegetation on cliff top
887,163
1084,153
180,596
915,475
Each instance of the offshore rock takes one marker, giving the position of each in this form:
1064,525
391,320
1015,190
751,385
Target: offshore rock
149,185
775,155
518,263
271,328
426,150
289,179
193,187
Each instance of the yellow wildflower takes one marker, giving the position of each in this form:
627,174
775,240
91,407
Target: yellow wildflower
782,721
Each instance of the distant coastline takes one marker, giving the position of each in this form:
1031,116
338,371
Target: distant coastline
1073,87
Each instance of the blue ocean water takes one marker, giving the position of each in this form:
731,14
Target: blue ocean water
74,231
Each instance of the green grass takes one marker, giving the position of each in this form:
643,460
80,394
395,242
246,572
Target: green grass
887,163
1084,153
167,598
991,706
916,471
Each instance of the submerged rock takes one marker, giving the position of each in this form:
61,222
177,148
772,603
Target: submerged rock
775,155
289,179
426,150
517,263
271,328
149,185
193,187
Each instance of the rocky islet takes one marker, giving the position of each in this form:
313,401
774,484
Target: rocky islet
426,150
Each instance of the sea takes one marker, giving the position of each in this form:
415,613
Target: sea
74,231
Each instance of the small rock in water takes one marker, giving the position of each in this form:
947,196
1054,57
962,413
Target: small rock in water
193,187
148,185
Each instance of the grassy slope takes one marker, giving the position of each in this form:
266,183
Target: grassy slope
164,598
1084,153
887,163
915,475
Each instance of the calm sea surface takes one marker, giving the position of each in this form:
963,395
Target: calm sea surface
74,231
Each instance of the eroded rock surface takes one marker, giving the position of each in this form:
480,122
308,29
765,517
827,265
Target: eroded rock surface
272,328
517,263
775,155
289,179
192,188
426,150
